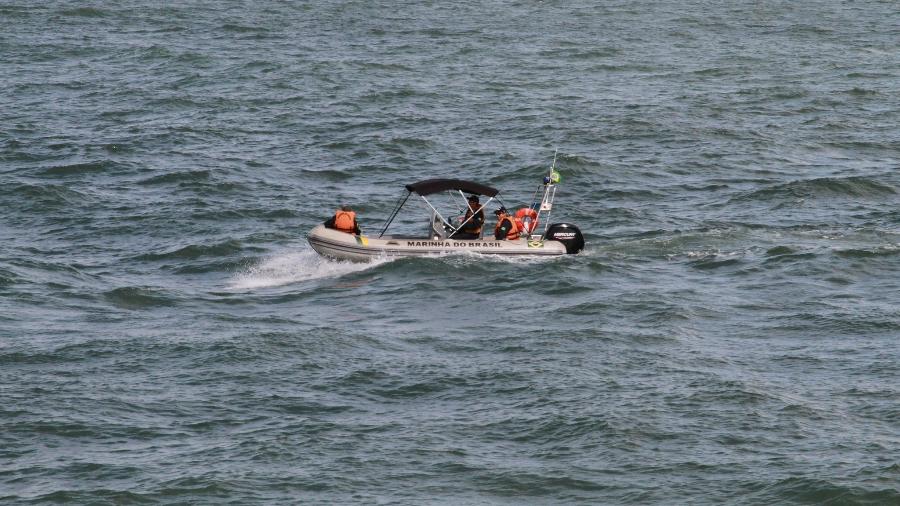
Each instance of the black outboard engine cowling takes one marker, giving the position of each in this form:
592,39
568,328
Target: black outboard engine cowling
567,234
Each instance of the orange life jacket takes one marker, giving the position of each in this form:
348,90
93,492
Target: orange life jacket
513,232
345,221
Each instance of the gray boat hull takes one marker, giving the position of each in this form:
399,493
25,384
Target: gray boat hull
343,246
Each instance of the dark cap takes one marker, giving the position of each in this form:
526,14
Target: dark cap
473,197
346,207
502,210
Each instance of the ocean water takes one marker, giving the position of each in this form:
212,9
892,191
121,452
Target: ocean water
728,336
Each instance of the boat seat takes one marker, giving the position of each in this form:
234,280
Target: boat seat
437,228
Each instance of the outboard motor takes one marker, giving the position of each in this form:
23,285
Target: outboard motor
567,234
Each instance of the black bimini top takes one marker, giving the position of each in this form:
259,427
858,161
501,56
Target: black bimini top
430,186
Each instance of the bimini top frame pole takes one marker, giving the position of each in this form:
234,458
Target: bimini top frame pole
436,212
394,213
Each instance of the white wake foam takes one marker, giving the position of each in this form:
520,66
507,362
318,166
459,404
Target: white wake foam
295,267
468,257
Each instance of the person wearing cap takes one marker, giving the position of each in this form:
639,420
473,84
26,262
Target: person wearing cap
344,219
471,229
506,229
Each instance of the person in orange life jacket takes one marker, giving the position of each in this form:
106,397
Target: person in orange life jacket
472,229
344,219
506,226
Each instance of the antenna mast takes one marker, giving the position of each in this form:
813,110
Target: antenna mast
549,192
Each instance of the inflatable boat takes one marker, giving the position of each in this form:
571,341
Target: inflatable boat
441,229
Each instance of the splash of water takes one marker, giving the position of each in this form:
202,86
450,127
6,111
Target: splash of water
295,267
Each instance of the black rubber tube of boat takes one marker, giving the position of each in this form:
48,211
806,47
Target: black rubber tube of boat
394,214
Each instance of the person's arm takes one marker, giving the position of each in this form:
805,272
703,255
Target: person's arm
329,223
505,226
478,220
356,229
474,225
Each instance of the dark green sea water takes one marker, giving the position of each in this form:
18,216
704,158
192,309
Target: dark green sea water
729,335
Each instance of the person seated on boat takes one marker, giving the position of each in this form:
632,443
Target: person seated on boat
344,219
506,229
471,229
